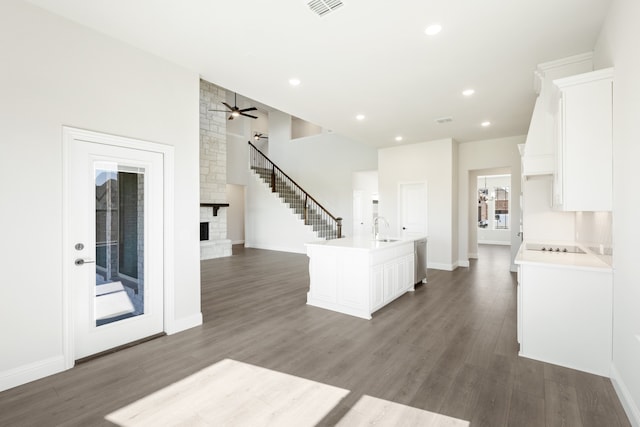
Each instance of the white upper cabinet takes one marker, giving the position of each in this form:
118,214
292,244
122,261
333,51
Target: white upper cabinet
583,178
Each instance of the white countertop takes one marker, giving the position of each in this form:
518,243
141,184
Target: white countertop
586,261
362,243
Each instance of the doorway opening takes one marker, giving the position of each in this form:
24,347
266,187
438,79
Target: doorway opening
490,209
493,216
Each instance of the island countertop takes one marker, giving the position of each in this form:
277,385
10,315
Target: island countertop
584,261
365,243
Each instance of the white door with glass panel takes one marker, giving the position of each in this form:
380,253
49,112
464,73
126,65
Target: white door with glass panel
413,209
115,244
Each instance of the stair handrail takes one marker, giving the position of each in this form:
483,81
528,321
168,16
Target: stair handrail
274,167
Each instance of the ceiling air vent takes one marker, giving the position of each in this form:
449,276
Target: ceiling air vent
323,7
443,120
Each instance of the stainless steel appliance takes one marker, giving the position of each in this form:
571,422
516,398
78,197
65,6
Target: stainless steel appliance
420,261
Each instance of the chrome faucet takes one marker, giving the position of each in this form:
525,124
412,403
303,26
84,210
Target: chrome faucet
376,227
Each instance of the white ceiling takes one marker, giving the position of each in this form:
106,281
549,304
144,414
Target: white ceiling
369,56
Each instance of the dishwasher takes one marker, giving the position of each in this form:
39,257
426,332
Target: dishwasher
420,261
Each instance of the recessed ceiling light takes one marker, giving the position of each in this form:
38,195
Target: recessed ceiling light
468,92
294,82
360,117
485,124
398,138
433,29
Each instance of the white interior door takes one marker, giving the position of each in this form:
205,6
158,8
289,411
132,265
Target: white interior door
413,209
115,244
358,213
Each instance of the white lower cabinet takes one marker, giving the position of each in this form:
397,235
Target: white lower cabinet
565,316
359,282
519,307
395,280
377,287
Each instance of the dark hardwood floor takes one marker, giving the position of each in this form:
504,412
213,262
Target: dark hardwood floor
449,347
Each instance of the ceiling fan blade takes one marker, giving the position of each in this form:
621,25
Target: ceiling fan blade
222,111
248,115
229,106
230,118
248,109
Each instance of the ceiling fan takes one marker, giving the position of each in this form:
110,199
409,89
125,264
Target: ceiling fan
236,111
257,136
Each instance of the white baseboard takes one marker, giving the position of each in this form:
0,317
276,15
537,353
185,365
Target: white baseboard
442,266
179,325
463,263
473,255
338,308
495,242
275,248
237,242
31,372
630,407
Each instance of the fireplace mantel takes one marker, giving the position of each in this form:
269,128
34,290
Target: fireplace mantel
215,206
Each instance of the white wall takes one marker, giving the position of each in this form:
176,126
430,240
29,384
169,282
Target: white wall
235,213
365,186
431,162
618,47
542,223
323,165
238,133
480,155
57,73
270,224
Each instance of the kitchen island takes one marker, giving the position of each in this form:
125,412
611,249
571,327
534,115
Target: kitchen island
358,276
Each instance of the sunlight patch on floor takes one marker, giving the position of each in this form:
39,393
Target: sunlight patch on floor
370,411
233,393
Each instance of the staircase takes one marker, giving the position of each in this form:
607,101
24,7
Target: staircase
325,225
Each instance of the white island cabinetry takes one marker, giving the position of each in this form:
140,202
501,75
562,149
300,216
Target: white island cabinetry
359,276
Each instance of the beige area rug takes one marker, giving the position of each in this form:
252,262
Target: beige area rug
231,393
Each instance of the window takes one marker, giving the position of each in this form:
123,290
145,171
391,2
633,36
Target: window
494,198
501,206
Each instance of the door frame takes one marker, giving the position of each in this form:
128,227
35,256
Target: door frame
70,134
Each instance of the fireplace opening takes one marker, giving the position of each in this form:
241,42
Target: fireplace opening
204,231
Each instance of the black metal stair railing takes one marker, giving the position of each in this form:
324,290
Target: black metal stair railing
313,213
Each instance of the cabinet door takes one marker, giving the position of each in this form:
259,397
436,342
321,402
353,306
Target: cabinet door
406,274
584,172
377,286
519,307
588,147
390,281
557,188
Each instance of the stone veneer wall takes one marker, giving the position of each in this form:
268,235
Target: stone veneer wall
213,170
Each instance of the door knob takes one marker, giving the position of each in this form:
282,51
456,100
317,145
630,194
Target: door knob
82,261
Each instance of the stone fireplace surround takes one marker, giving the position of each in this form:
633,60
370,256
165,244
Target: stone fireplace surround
213,171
